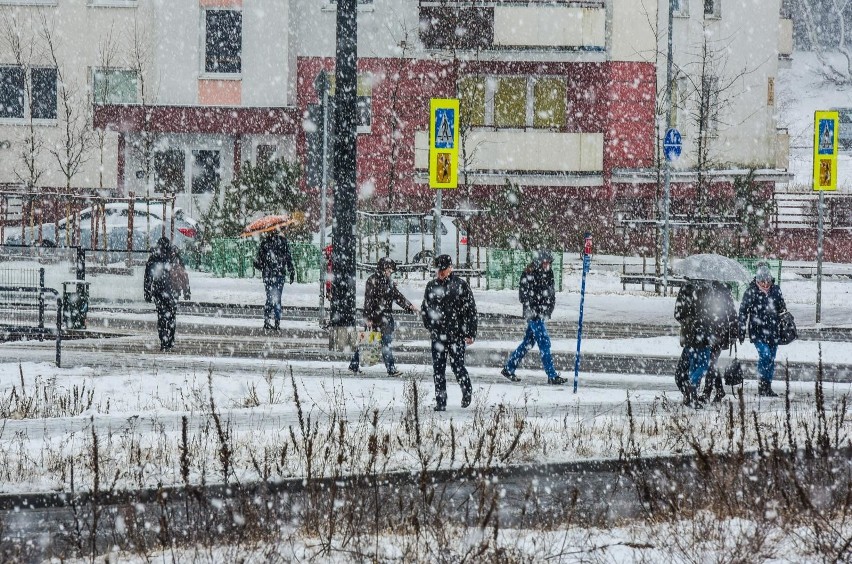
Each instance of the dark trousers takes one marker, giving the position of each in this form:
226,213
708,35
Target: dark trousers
455,350
166,320
387,330
272,308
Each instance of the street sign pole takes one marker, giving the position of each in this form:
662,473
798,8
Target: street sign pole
322,85
826,134
587,258
667,182
443,154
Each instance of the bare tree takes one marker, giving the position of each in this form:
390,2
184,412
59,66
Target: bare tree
108,53
29,170
826,24
73,113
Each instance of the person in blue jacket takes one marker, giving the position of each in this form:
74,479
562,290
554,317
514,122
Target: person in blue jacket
537,294
760,312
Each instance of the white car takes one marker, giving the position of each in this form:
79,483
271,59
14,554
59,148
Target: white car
407,239
147,228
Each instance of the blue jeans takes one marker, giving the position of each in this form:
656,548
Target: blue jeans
273,299
387,352
699,363
536,334
766,360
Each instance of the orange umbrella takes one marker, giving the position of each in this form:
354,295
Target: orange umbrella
267,223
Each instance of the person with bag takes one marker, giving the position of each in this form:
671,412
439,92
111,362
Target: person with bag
380,293
725,327
449,314
537,294
760,313
275,263
705,311
164,281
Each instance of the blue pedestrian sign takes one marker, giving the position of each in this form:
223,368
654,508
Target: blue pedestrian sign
672,144
445,126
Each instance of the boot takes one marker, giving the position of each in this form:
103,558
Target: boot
466,398
764,389
509,376
557,380
277,325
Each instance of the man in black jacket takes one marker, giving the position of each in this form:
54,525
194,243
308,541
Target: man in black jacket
274,262
449,313
537,294
165,278
380,293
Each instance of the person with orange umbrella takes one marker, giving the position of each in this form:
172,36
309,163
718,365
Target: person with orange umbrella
274,262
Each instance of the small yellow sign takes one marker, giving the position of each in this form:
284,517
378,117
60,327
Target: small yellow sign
826,133
444,143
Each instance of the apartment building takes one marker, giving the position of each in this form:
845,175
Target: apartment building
561,98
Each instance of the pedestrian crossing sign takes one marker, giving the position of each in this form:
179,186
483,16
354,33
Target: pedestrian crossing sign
826,133
443,143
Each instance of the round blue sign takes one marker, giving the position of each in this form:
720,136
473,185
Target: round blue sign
672,144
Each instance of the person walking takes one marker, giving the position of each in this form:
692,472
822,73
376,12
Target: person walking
760,312
165,280
725,328
380,293
537,294
274,262
449,314
701,311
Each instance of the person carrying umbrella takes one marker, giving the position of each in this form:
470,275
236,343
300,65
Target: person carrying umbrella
760,311
380,292
165,279
274,262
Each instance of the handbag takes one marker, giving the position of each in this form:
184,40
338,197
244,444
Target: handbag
369,347
733,375
787,332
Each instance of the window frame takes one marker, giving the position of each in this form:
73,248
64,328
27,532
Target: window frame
205,73
28,94
112,70
192,164
682,9
716,12
157,186
55,95
363,98
23,95
112,3
29,2
491,85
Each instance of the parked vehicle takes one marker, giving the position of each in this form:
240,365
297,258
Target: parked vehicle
407,239
148,226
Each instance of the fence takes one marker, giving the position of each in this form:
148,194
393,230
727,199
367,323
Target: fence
503,268
234,258
22,309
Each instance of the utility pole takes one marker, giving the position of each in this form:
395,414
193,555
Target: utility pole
322,88
667,165
342,310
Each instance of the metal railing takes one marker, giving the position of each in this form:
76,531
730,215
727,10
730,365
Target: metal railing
17,306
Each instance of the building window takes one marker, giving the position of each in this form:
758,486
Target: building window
169,171
265,154
113,3
224,41
29,2
112,86
206,171
364,102
42,104
680,8
11,92
712,8
44,93
513,101
708,112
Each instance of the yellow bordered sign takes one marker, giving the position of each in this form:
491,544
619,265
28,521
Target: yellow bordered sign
826,133
444,143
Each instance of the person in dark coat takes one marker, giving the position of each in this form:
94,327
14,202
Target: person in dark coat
449,314
760,312
275,263
165,280
705,310
380,293
537,294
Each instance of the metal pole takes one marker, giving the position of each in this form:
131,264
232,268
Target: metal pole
342,315
587,258
667,167
439,196
820,230
323,199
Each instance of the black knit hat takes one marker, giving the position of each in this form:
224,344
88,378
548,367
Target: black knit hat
443,262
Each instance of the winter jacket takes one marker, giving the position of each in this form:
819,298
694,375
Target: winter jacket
274,260
537,292
449,310
165,274
761,313
380,293
707,315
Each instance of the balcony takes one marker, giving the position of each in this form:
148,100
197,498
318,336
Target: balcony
493,24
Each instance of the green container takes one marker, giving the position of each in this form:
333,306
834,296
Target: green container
503,268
